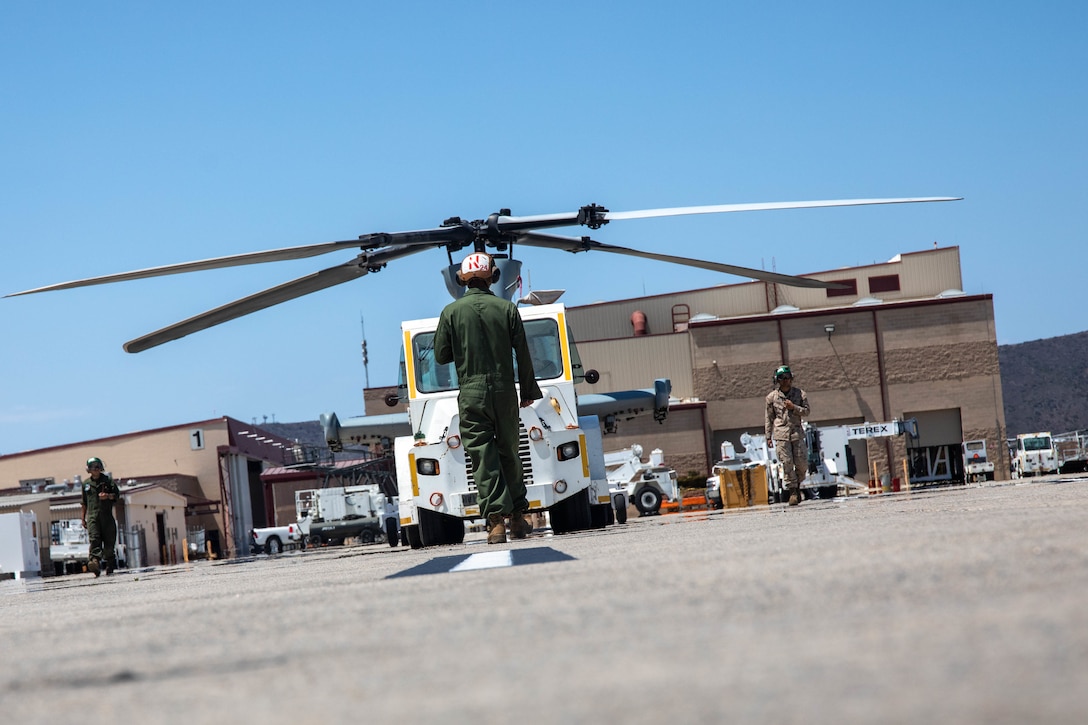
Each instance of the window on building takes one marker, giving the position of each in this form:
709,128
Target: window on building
884,283
849,288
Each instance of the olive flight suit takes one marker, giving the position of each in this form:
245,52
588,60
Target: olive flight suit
478,333
101,526
783,427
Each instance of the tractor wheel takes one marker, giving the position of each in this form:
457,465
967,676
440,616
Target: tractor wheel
648,501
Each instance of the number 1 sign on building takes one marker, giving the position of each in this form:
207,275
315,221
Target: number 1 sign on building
196,439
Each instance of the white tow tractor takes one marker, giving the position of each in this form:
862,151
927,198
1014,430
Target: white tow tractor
976,466
561,451
1034,455
646,484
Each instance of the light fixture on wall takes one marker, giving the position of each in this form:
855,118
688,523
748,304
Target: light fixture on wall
829,328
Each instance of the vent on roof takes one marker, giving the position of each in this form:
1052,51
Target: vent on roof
951,293
782,309
866,301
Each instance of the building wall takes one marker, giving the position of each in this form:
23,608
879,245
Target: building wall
921,274
142,509
191,450
138,454
907,351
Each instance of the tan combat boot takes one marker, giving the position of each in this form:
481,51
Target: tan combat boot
795,496
93,567
496,529
519,526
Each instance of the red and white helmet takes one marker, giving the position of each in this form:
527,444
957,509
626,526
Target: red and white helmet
478,265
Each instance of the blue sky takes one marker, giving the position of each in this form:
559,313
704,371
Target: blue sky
140,134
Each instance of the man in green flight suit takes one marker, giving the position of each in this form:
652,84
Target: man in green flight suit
99,495
477,333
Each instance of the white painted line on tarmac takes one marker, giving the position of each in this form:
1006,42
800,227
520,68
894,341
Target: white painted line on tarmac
486,560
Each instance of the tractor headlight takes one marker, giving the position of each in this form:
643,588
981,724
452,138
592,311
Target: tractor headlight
567,451
427,466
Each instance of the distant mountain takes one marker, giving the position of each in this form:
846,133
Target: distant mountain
308,433
1045,384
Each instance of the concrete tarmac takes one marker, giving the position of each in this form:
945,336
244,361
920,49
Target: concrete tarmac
960,605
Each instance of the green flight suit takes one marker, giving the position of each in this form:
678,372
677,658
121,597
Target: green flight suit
478,333
101,526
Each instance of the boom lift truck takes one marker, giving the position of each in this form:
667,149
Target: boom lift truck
831,462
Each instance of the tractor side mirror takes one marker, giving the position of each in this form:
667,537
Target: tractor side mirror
592,376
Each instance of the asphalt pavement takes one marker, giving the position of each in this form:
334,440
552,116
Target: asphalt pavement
958,605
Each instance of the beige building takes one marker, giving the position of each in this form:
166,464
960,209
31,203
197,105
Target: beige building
197,480
897,340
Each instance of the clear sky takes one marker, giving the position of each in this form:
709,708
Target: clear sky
137,134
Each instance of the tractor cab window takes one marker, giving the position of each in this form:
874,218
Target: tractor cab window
545,349
431,377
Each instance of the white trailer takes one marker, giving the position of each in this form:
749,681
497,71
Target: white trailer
20,556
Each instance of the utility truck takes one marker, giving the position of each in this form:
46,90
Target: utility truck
561,451
69,546
646,484
1034,455
331,515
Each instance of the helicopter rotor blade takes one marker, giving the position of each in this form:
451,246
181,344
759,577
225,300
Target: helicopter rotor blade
234,260
585,244
423,237
594,216
330,277
765,206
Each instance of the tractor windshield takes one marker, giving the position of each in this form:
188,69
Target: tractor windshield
1041,443
544,347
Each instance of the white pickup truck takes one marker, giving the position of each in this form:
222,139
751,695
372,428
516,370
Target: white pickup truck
272,539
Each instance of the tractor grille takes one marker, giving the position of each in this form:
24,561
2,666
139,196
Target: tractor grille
523,454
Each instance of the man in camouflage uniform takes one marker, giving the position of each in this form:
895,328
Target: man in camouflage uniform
479,334
99,495
786,405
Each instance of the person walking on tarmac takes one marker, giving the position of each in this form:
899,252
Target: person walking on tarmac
96,507
786,405
478,333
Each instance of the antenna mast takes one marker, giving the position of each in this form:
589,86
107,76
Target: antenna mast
366,360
